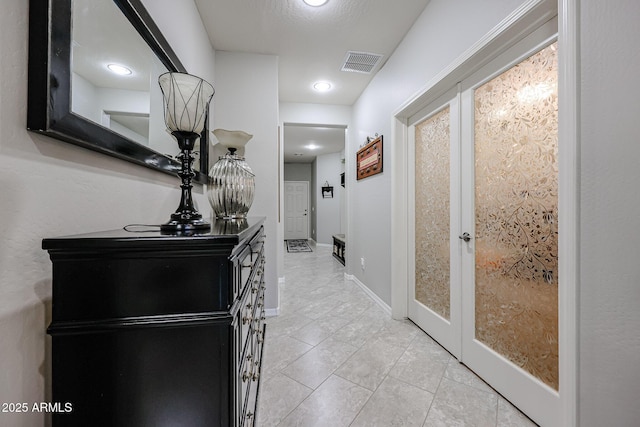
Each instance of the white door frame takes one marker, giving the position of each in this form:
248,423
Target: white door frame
516,26
308,184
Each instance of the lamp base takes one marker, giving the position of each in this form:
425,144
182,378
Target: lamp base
185,220
176,226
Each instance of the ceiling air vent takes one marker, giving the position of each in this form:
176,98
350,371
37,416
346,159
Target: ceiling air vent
361,62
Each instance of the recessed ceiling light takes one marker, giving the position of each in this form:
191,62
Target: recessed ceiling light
315,2
119,69
312,146
322,86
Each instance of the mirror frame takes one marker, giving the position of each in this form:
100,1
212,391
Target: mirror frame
49,93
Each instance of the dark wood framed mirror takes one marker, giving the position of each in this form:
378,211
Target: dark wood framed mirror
74,97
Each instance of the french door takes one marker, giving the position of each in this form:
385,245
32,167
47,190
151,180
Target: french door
434,282
484,271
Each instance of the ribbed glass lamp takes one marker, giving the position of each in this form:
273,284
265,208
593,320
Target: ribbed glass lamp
186,102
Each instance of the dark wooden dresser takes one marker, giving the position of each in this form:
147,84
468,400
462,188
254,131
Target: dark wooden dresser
158,330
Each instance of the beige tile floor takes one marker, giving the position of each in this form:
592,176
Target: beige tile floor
334,358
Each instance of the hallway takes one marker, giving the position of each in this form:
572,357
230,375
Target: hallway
333,357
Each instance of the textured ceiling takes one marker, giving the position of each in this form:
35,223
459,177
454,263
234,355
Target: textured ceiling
311,42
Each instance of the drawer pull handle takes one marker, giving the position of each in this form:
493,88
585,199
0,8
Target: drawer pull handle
247,265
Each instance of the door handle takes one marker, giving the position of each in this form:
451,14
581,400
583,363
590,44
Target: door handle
465,236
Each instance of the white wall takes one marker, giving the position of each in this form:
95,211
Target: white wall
84,98
328,168
91,102
247,99
182,27
52,188
121,100
442,33
315,114
129,101
609,287
297,172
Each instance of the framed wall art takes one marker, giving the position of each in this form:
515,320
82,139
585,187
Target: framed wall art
369,159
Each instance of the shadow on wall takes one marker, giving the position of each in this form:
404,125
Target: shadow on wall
43,290
25,365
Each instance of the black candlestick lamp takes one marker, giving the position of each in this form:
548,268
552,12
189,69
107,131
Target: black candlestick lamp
186,100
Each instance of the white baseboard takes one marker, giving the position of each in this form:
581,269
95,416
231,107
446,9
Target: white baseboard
271,312
324,245
369,292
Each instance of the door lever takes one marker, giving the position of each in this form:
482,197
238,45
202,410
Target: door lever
465,236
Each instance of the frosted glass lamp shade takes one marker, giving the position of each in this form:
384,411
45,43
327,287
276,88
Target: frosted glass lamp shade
186,99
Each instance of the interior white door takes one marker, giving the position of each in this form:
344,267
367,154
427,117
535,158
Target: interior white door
434,279
296,208
483,218
510,309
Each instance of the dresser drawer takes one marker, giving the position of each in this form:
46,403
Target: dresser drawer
251,406
244,381
245,270
257,281
245,321
257,246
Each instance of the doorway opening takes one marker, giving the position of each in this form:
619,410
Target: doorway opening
314,198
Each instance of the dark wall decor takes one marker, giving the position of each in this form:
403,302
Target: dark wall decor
369,158
50,85
327,191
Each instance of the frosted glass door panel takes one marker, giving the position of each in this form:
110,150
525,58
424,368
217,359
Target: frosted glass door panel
432,212
516,215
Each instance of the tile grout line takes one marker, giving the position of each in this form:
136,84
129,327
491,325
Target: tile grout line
383,380
357,348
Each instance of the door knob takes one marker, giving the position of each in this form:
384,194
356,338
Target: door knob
465,236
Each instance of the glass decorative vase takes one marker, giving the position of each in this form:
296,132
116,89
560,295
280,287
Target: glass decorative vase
231,180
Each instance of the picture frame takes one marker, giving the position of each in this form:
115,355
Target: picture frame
369,159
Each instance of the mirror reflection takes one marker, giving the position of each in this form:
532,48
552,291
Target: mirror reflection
115,76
